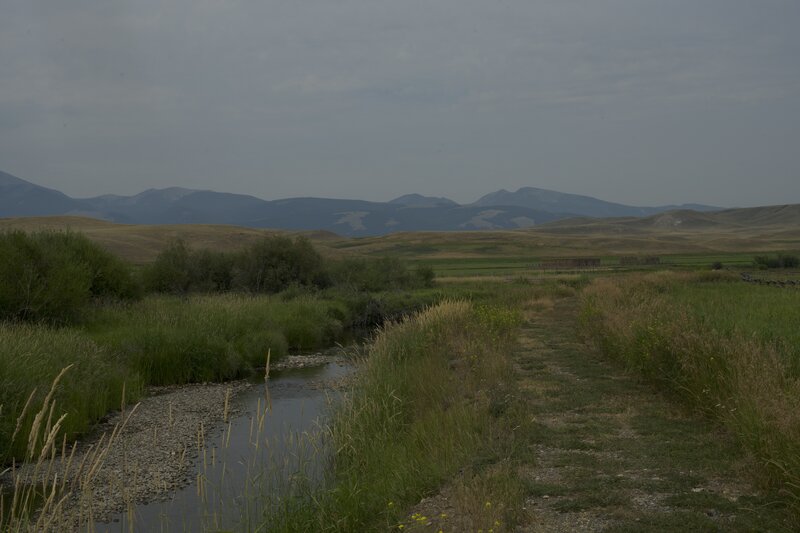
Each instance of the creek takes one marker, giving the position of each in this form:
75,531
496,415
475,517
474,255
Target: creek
272,444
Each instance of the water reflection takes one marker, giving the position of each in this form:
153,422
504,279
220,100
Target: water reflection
256,457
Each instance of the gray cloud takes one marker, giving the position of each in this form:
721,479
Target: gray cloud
639,101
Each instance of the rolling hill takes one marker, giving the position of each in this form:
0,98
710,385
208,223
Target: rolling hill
502,210
749,230
559,202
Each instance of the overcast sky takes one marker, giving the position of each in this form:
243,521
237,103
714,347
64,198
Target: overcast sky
638,101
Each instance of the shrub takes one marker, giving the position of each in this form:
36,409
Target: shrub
110,277
171,271
211,271
385,273
278,262
779,261
52,276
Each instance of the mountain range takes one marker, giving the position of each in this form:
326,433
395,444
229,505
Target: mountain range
502,209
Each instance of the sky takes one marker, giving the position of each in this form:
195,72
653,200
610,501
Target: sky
644,102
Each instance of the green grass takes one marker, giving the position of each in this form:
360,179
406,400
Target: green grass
212,338
165,340
769,314
157,341
30,359
412,421
727,348
528,265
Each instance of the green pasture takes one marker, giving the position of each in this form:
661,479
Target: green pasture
531,265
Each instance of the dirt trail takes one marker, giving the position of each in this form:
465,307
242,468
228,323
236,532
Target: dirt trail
609,453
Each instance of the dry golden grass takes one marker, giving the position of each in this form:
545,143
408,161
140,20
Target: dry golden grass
142,243
740,230
41,499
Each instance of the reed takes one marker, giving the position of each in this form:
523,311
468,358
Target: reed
40,497
31,358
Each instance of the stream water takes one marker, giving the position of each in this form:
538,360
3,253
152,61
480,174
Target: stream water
249,463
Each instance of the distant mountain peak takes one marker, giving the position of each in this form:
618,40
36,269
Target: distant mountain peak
22,198
8,179
576,204
525,207
168,193
418,200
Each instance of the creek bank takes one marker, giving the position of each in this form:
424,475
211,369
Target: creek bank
158,445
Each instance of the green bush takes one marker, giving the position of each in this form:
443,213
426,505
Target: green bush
179,270
110,277
272,265
171,271
385,273
278,262
779,261
52,276
211,271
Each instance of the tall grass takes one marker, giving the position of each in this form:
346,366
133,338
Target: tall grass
422,409
40,498
157,341
30,359
727,349
172,340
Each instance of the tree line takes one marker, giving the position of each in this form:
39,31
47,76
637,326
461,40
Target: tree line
53,276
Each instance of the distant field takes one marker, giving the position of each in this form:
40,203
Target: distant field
470,252
532,266
141,244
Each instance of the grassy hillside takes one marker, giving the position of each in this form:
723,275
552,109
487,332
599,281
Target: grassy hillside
141,243
732,231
